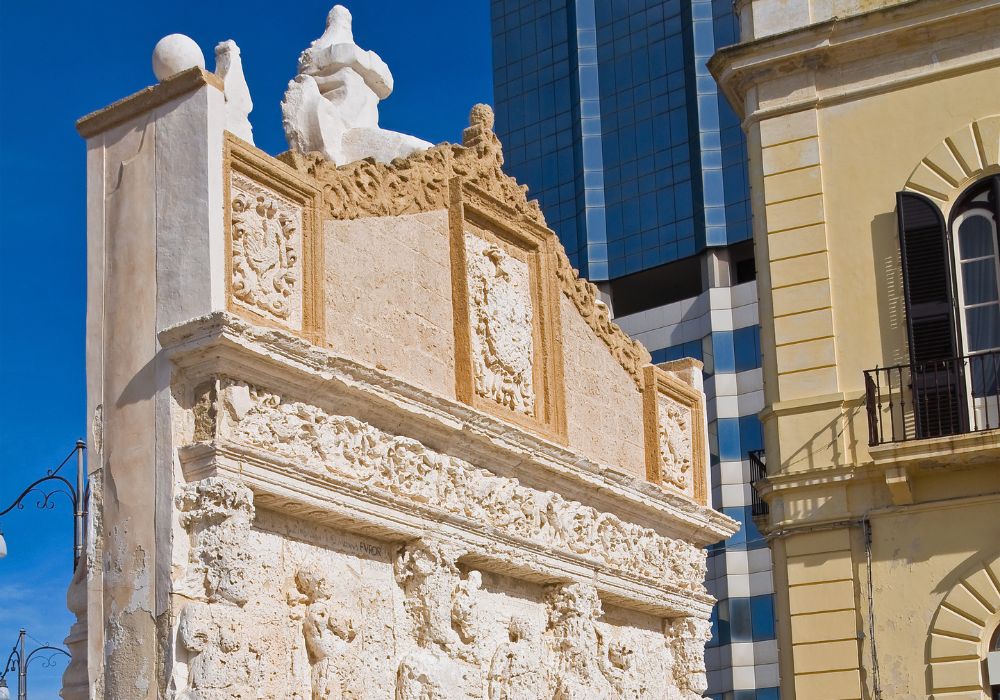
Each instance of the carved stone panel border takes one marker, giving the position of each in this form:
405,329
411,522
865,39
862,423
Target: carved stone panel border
473,213
273,242
674,422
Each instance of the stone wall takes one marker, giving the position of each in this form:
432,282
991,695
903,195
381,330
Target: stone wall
377,439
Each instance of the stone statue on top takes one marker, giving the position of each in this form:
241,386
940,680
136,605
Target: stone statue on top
332,104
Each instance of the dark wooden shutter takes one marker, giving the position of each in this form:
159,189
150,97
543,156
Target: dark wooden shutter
936,373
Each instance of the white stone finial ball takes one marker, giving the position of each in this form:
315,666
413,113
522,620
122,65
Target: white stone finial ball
175,53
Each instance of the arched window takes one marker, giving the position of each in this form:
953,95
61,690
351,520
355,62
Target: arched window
977,271
993,664
951,278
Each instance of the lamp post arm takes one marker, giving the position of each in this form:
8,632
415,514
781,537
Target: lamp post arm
47,496
76,493
13,662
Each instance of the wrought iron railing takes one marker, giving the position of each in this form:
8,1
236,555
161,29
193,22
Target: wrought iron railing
933,399
758,471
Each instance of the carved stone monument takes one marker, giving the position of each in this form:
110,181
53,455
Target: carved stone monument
360,430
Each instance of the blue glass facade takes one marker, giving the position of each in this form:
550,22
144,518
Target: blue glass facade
607,112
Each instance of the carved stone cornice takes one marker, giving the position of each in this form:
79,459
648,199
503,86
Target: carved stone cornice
950,31
281,485
146,100
221,343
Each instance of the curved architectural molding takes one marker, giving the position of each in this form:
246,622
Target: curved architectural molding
970,152
961,630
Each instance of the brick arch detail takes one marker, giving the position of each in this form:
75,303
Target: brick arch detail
961,631
947,168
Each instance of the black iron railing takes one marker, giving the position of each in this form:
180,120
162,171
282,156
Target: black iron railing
933,399
758,471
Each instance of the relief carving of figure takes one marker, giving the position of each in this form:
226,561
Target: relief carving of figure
686,637
265,241
500,317
578,674
430,579
620,669
328,632
426,570
214,629
463,608
515,671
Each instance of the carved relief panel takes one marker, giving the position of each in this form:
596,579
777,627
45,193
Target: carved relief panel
508,355
272,248
675,434
328,446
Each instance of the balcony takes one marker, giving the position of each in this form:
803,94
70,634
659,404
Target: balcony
935,399
758,471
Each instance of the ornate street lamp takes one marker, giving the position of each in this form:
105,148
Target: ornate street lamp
77,495
19,661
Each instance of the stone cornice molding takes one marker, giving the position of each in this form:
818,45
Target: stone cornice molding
145,100
280,485
895,30
221,343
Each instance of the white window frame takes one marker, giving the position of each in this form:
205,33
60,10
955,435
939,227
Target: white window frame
979,408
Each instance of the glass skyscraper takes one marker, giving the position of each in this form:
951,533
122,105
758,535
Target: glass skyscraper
608,113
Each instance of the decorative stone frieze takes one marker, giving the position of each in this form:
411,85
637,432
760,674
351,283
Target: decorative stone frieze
419,182
327,444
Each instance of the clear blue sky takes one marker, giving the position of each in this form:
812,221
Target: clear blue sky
59,61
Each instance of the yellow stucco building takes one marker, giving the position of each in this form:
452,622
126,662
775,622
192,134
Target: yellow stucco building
874,137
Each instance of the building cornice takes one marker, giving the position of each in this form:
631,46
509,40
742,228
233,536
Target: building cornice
145,100
221,342
919,25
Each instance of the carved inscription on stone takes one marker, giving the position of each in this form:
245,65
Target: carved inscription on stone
675,443
500,320
266,252
344,446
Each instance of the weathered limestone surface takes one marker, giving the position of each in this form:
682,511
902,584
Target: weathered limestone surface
362,432
373,299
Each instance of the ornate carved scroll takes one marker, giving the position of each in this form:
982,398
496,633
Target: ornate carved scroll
631,355
674,419
325,443
420,182
272,251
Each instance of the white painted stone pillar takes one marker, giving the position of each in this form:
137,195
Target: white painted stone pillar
154,258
